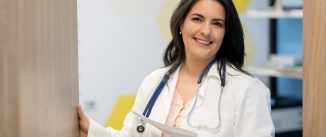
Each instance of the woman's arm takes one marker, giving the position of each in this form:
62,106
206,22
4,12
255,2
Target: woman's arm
90,128
253,118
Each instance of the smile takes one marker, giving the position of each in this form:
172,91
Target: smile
203,42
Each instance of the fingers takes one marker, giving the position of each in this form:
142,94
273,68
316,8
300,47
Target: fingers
82,116
83,122
82,134
81,113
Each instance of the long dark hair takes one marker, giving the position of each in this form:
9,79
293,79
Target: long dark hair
231,51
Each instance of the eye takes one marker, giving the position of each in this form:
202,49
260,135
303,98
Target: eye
196,19
218,23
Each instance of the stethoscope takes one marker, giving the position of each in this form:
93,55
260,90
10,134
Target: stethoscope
159,88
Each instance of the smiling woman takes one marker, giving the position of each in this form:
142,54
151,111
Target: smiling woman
203,31
202,86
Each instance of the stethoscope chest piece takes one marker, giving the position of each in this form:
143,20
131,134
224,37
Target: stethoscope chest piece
140,128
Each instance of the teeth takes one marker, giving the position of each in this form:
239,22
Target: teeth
203,41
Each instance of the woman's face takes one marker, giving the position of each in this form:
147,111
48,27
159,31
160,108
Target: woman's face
203,30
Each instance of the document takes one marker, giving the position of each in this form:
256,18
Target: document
172,131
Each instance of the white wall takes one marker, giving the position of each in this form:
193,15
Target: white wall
116,51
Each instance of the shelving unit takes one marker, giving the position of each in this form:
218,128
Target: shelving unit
295,73
286,112
272,13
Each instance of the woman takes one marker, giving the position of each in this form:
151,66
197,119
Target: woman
202,87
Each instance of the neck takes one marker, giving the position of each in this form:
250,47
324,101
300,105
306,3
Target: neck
194,68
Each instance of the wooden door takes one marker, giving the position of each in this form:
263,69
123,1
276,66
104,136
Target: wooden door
38,68
314,61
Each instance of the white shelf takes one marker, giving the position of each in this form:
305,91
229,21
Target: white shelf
295,73
272,13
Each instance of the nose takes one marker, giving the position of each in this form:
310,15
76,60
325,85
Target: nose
205,29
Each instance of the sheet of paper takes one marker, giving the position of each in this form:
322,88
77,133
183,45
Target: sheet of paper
172,131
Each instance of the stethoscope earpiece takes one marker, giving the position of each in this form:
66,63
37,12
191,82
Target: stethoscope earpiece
140,128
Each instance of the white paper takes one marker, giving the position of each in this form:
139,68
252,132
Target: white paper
172,131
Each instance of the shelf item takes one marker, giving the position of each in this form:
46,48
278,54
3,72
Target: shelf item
279,61
291,4
287,115
287,119
272,13
295,73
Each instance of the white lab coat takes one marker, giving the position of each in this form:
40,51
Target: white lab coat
245,107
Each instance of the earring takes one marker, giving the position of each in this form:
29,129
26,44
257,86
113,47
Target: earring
180,33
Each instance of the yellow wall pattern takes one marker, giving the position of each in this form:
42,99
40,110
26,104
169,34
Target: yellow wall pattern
122,106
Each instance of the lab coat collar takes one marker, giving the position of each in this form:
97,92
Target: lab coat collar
168,92
172,82
212,72
203,88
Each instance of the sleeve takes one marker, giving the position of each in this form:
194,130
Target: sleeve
96,130
130,122
253,113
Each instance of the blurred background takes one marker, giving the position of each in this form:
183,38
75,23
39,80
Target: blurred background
122,41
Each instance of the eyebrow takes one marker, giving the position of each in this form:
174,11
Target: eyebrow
216,19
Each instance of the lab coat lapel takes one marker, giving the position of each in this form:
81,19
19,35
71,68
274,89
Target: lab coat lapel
203,89
168,92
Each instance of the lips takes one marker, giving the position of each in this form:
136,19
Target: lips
203,42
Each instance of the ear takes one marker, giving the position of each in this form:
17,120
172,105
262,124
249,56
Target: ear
181,29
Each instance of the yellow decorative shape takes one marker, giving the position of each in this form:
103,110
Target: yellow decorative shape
132,7
163,18
250,48
120,110
241,5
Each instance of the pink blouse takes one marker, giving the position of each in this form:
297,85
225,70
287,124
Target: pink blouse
177,111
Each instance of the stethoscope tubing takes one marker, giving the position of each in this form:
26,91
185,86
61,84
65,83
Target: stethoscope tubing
159,88
153,99
194,105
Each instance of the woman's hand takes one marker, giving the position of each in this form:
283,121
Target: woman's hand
83,121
